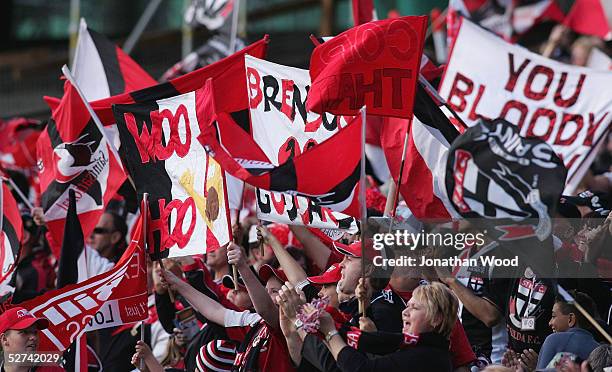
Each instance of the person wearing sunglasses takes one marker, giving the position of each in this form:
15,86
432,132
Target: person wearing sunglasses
108,237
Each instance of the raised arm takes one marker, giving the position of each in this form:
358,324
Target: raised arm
259,295
209,308
292,269
481,308
314,249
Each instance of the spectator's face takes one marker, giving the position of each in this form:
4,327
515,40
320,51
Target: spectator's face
217,259
20,341
273,286
559,322
329,291
240,298
414,318
351,271
104,235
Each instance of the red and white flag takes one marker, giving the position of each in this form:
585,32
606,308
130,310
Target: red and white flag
114,298
591,17
74,154
188,201
327,173
567,106
102,69
10,238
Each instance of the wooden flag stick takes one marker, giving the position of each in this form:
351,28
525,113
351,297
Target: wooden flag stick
145,216
21,195
234,269
401,172
362,203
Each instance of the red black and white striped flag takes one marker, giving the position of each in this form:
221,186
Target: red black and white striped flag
10,237
102,69
74,154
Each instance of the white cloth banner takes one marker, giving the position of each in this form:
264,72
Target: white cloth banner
567,106
280,123
298,210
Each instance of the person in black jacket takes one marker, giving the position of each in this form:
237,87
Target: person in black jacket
428,322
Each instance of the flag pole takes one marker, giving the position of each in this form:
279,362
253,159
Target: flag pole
234,269
234,35
21,195
401,173
145,221
362,203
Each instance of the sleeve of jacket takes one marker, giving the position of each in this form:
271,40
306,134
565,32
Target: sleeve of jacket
317,354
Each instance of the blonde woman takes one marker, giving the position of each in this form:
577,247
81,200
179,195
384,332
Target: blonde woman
428,321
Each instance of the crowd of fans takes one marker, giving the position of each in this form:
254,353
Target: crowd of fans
301,303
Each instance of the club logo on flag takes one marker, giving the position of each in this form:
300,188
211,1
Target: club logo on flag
73,158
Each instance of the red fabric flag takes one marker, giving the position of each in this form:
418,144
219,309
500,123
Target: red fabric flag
327,173
363,11
116,297
10,237
18,143
589,17
73,154
375,64
231,68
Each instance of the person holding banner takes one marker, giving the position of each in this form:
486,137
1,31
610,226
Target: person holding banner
262,344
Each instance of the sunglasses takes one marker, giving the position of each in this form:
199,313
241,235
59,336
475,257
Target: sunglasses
102,230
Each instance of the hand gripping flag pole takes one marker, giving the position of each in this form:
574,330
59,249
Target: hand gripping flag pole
234,269
362,204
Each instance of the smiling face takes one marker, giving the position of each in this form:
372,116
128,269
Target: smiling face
20,341
415,319
273,286
559,322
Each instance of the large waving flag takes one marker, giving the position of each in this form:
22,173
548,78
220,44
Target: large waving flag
375,64
74,155
102,69
327,173
10,237
230,68
116,297
187,189
566,106
591,17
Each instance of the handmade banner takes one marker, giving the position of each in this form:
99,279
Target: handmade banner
298,210
187,192
375,64
280,123
116,297
566,106
327,173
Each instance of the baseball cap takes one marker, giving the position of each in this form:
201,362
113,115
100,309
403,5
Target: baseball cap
354,249
330,276
228,282
266,272
20,318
